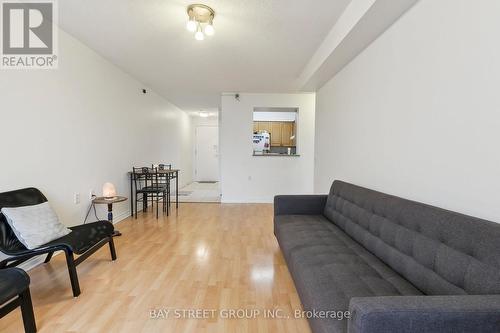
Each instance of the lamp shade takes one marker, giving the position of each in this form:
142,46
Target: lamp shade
199,35
108,190
191,25
209,30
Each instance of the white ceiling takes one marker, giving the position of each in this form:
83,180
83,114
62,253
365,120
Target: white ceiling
259,45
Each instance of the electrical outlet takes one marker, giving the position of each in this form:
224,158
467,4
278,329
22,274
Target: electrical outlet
250,178
76,198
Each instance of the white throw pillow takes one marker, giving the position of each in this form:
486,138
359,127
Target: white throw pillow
35,225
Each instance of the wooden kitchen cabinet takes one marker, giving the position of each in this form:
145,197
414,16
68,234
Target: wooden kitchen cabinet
275,133
281,132
286,134
263,126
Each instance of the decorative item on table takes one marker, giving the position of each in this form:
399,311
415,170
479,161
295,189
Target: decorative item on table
109,191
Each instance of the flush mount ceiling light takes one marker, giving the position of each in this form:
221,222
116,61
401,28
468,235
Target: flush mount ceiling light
201,21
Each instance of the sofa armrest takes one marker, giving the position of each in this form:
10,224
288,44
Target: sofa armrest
425,314
299,204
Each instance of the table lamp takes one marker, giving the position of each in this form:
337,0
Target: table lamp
108,191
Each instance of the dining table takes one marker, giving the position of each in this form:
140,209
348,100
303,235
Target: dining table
170,173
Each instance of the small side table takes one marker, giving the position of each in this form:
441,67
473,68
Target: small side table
109,202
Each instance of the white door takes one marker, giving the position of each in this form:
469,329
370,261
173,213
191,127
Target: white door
207,153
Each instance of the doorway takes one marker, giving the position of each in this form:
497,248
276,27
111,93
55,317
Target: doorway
206,154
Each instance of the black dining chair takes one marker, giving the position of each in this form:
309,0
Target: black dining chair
164,179
148,187
164,166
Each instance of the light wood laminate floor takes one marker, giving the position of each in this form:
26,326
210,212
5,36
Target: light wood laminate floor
206,256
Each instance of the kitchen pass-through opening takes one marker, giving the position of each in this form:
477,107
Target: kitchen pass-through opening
275,131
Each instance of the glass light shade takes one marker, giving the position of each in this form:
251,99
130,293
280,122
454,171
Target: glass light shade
191,25
199,35
209,30
108,190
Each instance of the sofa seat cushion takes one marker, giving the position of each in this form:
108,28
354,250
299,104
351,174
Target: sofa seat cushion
329,268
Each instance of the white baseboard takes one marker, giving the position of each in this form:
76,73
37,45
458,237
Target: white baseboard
120,217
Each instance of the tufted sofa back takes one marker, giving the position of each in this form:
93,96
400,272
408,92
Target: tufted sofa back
440,252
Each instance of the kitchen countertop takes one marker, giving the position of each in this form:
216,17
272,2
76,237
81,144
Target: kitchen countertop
277,154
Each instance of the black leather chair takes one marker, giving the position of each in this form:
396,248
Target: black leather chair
14,289
84,239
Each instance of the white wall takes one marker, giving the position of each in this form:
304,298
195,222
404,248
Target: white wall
247,178
70,130
417,114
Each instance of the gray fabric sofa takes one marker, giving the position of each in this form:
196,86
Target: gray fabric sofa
395,265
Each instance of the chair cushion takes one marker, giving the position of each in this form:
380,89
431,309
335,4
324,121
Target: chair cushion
329,268
13,281
35,225
84,236
153,189
9,244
